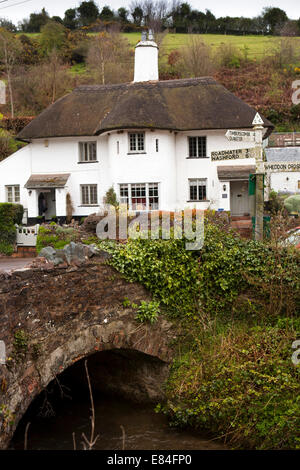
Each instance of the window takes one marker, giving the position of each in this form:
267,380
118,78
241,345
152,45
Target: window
140,196
153,196
197,147
89,194
197,188
137,142
13,193
124,194
87,152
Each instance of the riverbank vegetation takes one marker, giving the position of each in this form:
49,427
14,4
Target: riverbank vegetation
236,303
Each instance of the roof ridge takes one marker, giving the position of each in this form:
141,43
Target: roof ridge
160,83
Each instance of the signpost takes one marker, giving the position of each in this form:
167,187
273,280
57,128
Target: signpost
259,190
233,154
240,136
254,136
262,167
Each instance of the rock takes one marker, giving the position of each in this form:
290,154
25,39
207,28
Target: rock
73,254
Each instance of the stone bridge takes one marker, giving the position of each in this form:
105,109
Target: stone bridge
52,318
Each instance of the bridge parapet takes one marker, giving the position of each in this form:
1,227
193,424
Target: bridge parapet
51,318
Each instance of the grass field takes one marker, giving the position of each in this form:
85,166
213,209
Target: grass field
255,46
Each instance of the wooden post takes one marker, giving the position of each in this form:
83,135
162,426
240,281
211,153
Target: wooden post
259,190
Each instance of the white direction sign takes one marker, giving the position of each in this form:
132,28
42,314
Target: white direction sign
234,154
240,136
277,167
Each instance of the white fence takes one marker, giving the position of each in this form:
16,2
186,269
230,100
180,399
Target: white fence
27,236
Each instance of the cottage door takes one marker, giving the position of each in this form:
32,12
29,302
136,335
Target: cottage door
239,198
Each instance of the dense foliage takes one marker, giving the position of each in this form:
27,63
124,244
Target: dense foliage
161,14
237,302
10,214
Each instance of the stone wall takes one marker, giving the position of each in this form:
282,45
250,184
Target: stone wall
52,318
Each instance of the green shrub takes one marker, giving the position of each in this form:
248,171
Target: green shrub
163,266
292,204
6,248
240,383
237,302
111,197
55,236
148,312
10,214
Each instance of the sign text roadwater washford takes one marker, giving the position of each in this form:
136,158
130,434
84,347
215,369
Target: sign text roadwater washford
233,154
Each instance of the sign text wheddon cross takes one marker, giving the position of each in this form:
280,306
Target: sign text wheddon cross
281,166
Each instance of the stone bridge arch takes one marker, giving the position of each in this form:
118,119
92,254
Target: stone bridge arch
52,318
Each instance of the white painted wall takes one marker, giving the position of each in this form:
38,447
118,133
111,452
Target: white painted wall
14,170
146,61
188,168
170,167
285,182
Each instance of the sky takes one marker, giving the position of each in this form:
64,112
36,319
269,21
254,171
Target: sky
16,10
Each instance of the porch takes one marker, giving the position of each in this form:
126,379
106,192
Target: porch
46,196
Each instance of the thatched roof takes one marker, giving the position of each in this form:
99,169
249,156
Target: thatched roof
179,105
234,172
47,181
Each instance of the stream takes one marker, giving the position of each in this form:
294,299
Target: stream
144,429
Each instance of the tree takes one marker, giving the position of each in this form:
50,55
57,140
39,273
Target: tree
57,19
109,58
10,49
35,22
38,86
107,14
53,36
274,18
4,23
136,11
197,60
290,28
30,50
123,15
8,145
88,12
70,20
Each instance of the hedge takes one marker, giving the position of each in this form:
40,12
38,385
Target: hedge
10,214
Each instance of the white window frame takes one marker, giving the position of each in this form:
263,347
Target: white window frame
128,199
15,188
136,150
87,151
198,147
196,182
89,195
